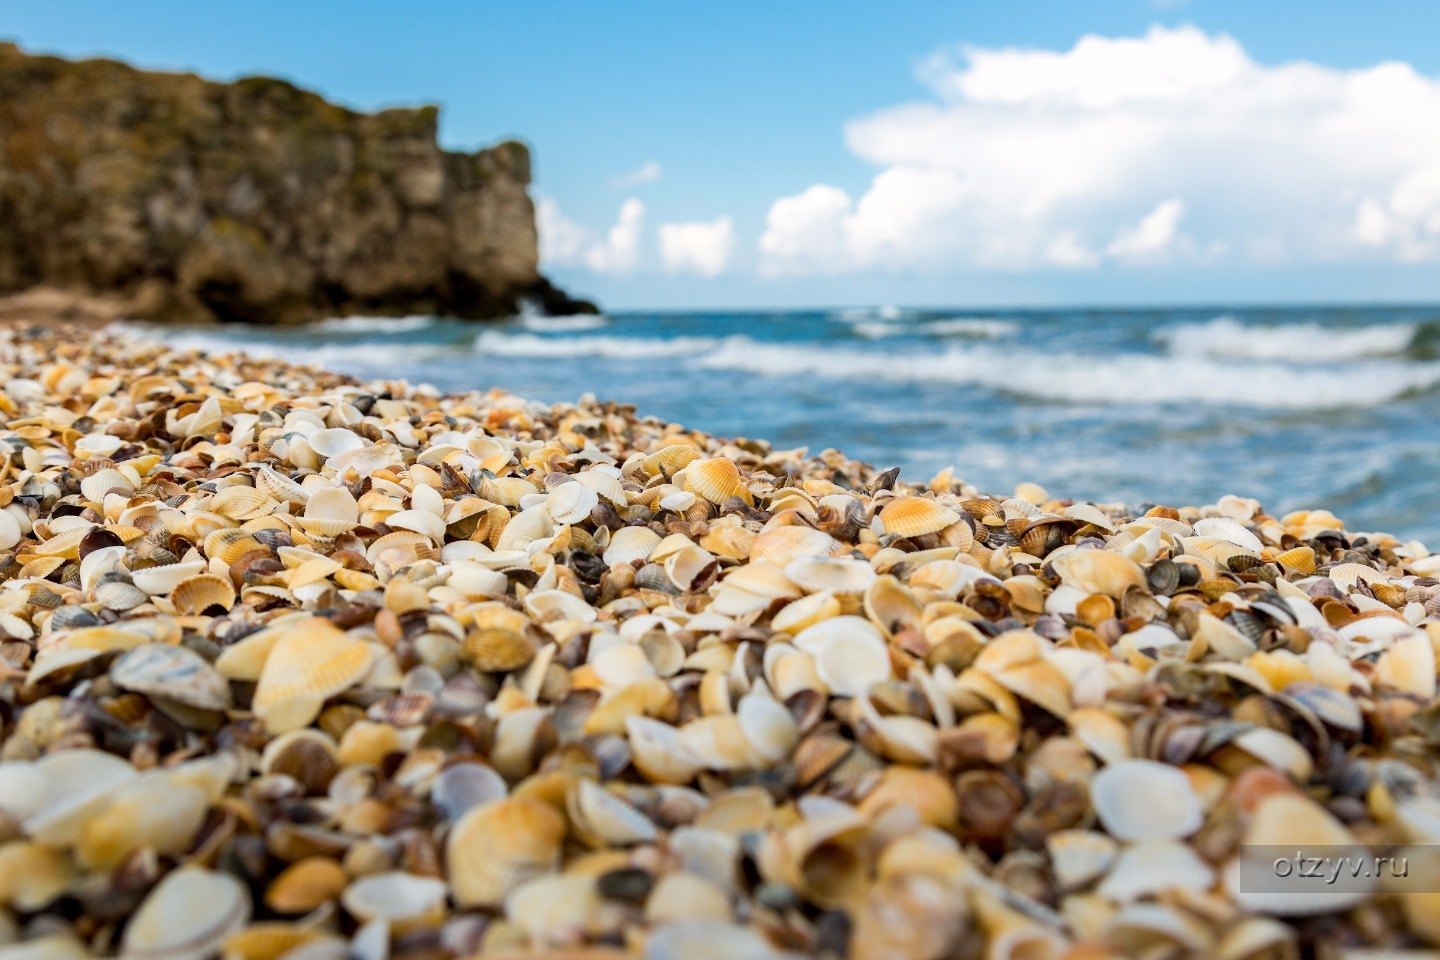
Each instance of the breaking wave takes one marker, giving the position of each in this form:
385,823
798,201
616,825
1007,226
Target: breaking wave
571,324
1227,337
975,328
497,344
1084,378
377,324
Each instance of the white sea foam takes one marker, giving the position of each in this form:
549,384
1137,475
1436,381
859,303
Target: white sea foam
377,324
496,343
976,328
571,324
1077,378
1228,337
888,313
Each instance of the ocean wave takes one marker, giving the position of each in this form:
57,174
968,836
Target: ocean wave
977,328
377,324
1230,338
498,344
887,313
574,323
1097,379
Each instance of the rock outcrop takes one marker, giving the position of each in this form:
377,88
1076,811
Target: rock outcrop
169,197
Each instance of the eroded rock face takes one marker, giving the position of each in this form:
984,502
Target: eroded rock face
177,198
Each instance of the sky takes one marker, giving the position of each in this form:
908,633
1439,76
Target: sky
761,154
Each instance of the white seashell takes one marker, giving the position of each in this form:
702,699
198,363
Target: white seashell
629,544
477,582
186,916
837,575
1145,800
571,502
335,441
1229,530
850,654
605,483
160,581
421,521
1153,867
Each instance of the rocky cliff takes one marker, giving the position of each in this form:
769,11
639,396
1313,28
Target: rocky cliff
170,197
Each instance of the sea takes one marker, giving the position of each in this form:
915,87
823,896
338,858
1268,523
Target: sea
1300,407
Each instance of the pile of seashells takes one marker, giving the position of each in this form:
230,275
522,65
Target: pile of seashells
294,666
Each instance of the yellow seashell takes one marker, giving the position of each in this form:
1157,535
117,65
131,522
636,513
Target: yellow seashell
310,662
497,846
240,502
206,592
916,516
306,885
232,543
717,480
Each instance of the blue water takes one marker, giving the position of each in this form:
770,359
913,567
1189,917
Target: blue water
1299,407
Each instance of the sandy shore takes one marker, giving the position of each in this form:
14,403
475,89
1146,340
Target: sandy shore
294,665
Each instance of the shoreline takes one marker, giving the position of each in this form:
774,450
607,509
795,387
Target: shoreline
293,655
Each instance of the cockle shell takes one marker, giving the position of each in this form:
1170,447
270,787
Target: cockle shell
1098,571
571,502
498,846
916,516
836,575
309,662
717,480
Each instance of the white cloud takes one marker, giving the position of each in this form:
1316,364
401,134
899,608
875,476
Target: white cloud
1155,234
701,247
565,243
647,172
1028,159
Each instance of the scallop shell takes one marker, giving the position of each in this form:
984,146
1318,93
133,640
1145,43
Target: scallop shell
98,484
153,812
1143,800
198,594
670,459
231,545
916,516
498,846
310,662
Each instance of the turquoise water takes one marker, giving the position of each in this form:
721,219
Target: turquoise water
1300,407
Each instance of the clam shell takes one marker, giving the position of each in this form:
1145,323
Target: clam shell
420,521
243,503
153,812
1142,800
836,575
850,654
402,900
186,916
605,484
160,581
309,662
335,441
172,673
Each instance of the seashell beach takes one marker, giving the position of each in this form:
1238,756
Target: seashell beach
299,666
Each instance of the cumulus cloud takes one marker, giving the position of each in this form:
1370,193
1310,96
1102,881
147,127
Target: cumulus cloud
647,172
565,243
1027,159
699,247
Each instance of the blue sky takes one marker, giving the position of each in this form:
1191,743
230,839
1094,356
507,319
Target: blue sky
836,152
